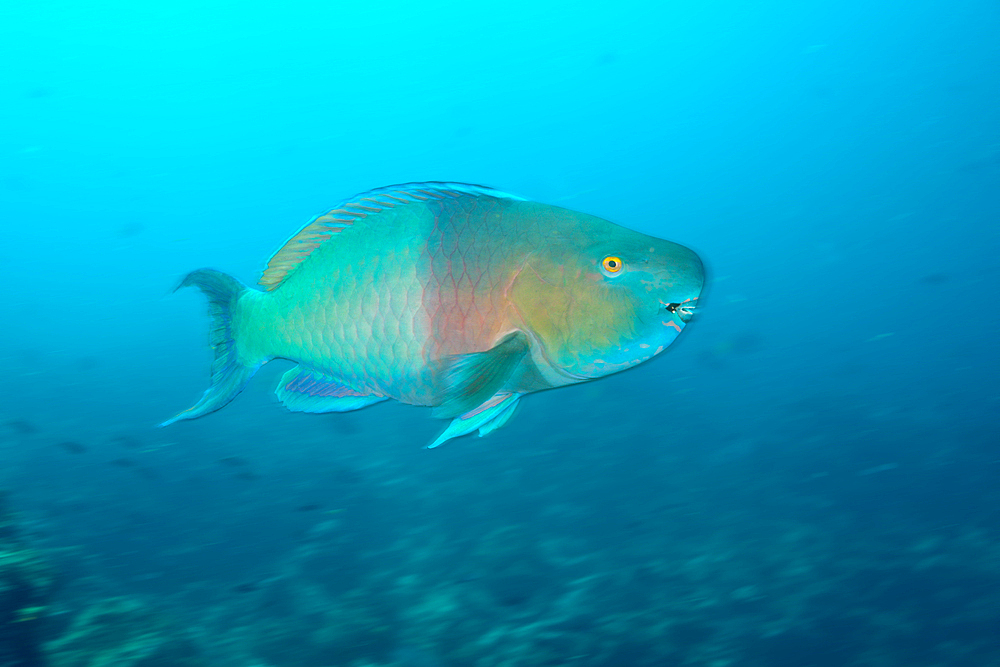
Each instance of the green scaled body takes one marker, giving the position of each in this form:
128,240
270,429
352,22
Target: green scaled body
447,295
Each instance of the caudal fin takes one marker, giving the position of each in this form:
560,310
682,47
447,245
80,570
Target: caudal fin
229,374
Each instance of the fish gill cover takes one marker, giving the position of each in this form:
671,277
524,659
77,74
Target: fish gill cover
807,476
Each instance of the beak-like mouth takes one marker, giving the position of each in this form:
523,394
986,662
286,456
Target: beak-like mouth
683,310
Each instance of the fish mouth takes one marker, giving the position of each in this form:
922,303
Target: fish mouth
684,310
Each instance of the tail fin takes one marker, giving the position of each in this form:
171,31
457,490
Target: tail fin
229,374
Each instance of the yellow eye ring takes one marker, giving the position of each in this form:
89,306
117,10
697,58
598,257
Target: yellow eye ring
612,264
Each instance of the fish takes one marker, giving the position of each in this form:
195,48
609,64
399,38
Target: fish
247,587
73,447
308,507
22,426
448,295
232,461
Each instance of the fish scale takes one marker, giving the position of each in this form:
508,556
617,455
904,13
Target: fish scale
447,295
468,237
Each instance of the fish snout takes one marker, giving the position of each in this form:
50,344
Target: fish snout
683,310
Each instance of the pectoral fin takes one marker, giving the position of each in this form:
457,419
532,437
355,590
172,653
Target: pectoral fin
487,418
469,380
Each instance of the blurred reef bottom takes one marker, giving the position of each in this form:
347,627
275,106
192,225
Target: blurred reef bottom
693,584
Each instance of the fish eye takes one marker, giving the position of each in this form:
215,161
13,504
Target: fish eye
612,264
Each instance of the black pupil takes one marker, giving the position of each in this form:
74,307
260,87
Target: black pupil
612,264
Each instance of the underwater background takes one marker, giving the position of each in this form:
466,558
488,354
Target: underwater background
807,478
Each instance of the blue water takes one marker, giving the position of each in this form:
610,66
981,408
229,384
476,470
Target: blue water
807,478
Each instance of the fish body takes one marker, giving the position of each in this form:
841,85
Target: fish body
447,295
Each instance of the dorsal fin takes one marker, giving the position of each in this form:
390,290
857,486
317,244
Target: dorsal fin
327,225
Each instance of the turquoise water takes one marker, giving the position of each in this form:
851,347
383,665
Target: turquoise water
806,478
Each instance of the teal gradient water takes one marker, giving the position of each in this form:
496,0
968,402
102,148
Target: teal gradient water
808,476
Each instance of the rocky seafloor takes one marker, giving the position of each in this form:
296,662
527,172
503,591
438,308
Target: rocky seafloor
755,556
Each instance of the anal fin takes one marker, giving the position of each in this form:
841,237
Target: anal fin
306,390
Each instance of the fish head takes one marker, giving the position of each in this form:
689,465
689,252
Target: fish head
600,298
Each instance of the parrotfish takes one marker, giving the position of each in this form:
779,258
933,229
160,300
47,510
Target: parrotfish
453,296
